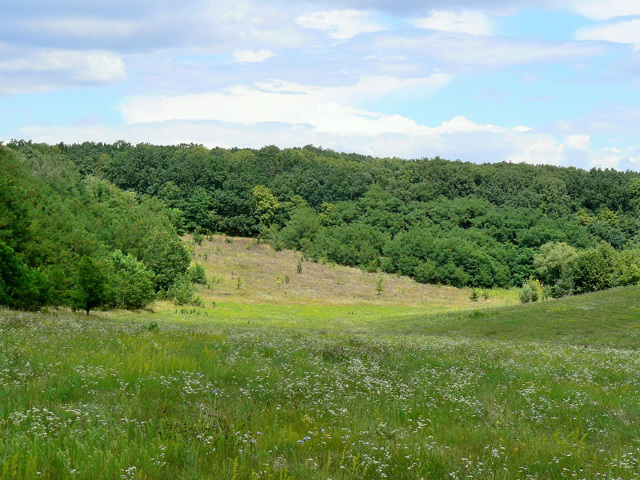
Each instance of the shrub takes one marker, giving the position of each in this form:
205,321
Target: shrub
197,274
132,284
181,292
198,237
526,293
564,286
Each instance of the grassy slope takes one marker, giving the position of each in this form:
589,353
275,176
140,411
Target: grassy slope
264,273
323,297
348,385
603,319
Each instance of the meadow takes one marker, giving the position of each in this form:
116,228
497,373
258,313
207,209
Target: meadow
280,380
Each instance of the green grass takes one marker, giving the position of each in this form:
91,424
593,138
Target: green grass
548,390
323,318
603,319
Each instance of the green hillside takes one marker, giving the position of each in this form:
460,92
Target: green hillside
437,221
601,319
336,342
79,241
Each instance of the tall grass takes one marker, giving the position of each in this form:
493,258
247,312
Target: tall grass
182,396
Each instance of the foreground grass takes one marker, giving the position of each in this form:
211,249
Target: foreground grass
492,394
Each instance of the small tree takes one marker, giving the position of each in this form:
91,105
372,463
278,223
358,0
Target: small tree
198,237
91,286
380,286
532,291
197,274
594,269
132,283
526,293
182,291
555,261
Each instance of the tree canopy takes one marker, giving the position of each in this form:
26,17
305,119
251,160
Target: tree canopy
440,221
78,240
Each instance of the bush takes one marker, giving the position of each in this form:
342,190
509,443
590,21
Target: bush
197,274
526,293
153,327
182,291
563,287
594,269
198,237
533,290
131,282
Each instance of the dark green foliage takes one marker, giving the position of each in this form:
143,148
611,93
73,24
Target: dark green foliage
91,285
166,257
182,291
595,269
58,227
20,286
352,244
131,282
438,221
300,231
197,274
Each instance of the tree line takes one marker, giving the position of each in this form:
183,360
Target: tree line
438,221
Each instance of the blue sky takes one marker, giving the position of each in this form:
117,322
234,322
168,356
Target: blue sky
541,81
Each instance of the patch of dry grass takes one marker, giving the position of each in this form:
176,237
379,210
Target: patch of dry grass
269,276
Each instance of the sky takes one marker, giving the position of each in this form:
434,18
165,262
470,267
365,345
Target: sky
537,81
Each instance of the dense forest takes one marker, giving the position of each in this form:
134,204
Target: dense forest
79,241
438,221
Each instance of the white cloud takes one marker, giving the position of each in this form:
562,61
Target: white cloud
341,24
290,114
462,124
145,26
627,31
252,56
606,9
327,109
577,142
458,53
24,70
466,21
536,149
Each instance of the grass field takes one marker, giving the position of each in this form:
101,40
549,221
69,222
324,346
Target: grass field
343,385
